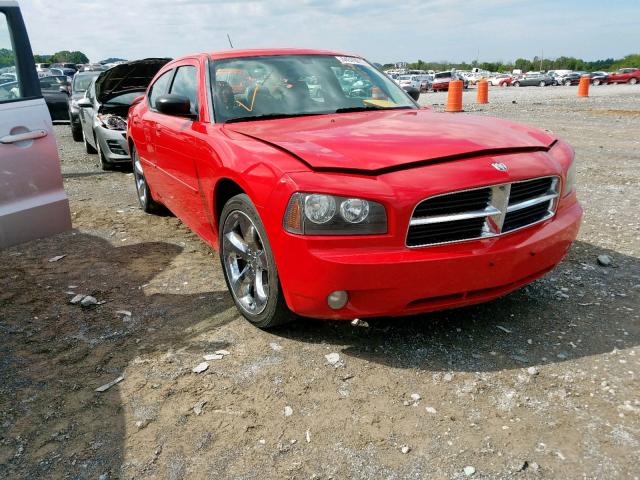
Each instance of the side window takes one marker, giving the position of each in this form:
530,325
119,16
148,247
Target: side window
185,83
159,87
10,88
91,91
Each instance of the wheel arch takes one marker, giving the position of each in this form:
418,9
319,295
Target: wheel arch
225,189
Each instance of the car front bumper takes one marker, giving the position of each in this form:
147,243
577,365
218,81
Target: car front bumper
113,145
409,281
384,277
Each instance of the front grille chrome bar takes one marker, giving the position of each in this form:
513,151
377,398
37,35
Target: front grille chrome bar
454,217
531,202
504,208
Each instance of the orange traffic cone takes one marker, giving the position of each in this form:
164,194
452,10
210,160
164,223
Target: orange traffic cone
483,91
583,86
454,98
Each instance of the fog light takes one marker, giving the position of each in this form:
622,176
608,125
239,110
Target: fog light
337,299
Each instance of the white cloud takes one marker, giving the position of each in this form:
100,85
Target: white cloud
381,30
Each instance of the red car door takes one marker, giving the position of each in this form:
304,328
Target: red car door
179,142
147,150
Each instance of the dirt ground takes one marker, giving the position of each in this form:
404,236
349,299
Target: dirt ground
543,383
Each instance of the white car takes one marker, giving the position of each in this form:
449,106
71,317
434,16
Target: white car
32,201
409,81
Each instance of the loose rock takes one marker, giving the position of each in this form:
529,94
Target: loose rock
288,411
201,367
469,470
213,356
76,299
604,260
332,358
88,301
198,407
107,386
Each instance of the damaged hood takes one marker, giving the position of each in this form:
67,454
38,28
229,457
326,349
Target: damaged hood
378,142
127,77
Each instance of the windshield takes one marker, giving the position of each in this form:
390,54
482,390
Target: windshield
251,88
81,82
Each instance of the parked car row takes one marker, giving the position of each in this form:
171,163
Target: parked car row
437,81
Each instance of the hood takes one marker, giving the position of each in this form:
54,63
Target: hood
379,142
127,77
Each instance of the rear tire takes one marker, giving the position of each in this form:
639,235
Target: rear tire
596,82
147,203
516,84
542,84
633,81
248,265
567,83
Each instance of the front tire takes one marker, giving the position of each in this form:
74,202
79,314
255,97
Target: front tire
633,81
248,265
104,164
76,132
596,82
516,84
542,84
87,146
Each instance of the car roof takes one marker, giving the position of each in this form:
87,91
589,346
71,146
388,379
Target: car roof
273,52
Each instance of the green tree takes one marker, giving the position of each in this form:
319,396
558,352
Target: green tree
6,58
632,60
65,56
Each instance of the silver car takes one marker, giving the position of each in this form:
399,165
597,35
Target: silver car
103,110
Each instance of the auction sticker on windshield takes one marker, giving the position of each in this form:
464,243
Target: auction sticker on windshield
352,60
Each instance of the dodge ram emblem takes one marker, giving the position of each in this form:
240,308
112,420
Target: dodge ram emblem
500,166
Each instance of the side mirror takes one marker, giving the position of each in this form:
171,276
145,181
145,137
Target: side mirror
175,105
414,93
84,103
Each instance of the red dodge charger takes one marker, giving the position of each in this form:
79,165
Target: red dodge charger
331,194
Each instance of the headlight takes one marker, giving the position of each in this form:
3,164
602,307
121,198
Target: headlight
570,180
320,214
112,122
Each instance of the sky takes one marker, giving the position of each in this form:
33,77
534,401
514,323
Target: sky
383,31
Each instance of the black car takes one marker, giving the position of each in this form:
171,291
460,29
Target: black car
572,78
598,78
81,82
55,92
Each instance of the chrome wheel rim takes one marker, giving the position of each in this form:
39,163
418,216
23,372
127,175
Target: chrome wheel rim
141,184
245,262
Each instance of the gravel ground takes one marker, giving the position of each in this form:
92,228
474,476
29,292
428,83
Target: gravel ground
543,383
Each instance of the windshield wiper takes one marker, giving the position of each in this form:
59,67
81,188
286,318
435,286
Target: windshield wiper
365,108
271,116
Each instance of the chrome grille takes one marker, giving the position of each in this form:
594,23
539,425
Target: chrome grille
482,212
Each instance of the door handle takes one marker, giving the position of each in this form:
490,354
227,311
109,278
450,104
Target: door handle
21,137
